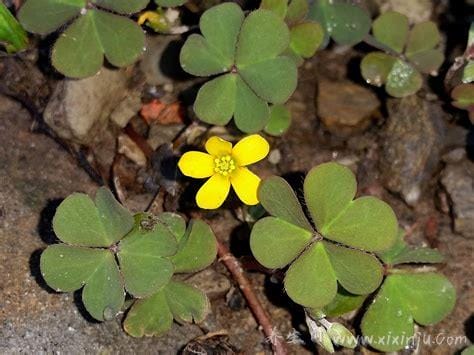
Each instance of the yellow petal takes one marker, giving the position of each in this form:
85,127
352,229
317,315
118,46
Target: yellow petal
196,164
245,184
217,146
250,150
213,193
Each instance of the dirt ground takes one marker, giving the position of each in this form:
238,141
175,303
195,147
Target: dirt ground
426,136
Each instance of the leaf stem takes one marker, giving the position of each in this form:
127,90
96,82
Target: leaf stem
262,317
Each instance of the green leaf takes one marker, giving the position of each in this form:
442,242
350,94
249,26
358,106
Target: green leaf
340,335
343,303
297,11
11,33
279,121
66,268
103,295
116,219
170,3
273,80
468,351
358,272
220,25
391,29
215,101
279,7
463,96
328,189
403,80
424,297
424,36
197,57
429,61
310,281
78,222
142,258
275,242
347,24
77,53
197,249
279,199
376,67
122,40
149,316
79,50
251,112
175,224
468,72
366,223
263,36
306,38
187,303
122,6
402,253
45,16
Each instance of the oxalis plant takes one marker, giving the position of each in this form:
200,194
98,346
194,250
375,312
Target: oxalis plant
247,55
109,253
96,28
352,250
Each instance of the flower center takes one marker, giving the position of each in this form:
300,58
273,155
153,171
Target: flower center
224,165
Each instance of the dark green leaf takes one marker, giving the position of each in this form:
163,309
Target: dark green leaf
328,189
263,36
220,25
424,36
358,272
122,40
423,297
142,259
170,3
275,242
150,316
116,219
429,61
45,16
251,112
78,222
197,249
279,121
403,80
343,303
279,199
375,67
215,101
391,29
347,24
306,38
297,11
122,6
197,57
78,53
310,281
103,295
187,303
273,80
175,223
66,268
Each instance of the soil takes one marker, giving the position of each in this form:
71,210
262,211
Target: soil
38,170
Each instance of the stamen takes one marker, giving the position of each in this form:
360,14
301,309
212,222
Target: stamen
224,165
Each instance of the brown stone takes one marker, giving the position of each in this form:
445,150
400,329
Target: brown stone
345,108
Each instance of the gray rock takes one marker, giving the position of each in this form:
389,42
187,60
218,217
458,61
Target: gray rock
211,282
411,145
79,110
458,180
345,108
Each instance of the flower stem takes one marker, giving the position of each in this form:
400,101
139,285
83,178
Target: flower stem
262,317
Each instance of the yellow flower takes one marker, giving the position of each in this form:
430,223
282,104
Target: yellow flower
225,166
